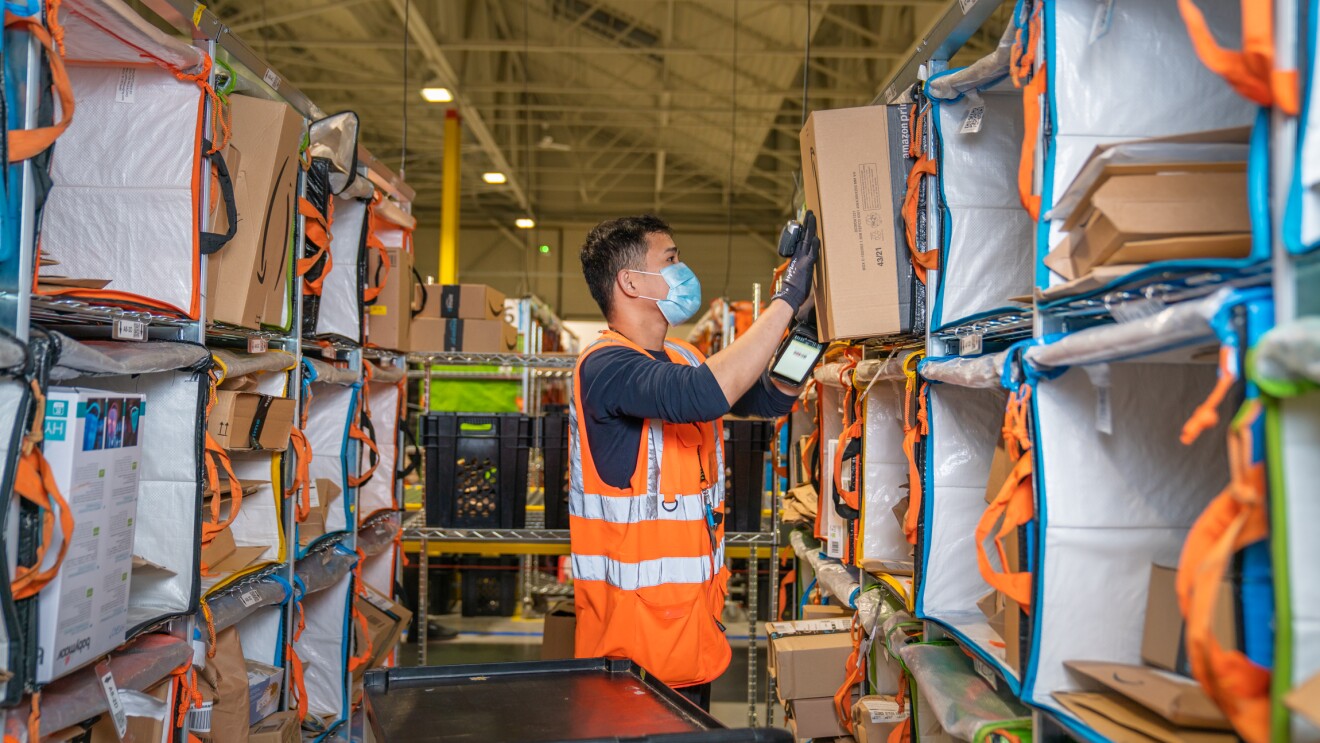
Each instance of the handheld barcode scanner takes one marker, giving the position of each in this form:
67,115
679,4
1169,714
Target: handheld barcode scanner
799,353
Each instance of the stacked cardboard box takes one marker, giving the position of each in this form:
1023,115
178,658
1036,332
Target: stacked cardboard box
385,621
854,174
807,659
389,318
462,317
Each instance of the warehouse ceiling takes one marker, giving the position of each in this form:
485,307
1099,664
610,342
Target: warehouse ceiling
591,108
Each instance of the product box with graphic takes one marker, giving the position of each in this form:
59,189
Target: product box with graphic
93,442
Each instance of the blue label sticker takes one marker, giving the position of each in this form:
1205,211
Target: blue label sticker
55,430
57,408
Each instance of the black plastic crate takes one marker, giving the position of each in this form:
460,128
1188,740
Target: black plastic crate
745,445
554,453
490,586
476,469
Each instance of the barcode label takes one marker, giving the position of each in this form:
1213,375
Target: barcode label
969,345
972,122
883,710
272,78
258,345
112,698
249,598
199,718
129,330
984,670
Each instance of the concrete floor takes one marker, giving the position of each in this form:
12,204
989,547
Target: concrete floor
512,639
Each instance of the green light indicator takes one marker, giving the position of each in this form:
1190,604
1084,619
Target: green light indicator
545,248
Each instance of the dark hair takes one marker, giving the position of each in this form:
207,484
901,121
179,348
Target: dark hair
612,246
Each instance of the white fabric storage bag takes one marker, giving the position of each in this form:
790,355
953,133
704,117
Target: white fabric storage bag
324,647
331,408
124,200
884,483
378,493
341,294
965,405
987,255
262,633
1116,489
1094,96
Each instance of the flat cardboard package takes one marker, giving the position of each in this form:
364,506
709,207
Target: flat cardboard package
1119,719
472,336
1162,641
389,320
1158,215
249,420
558,641
281,727
875,717
142,729
463,301
223,556
93,443
806,666
385,622
264,686
247,279
323,492
1178,699
854,171
814,718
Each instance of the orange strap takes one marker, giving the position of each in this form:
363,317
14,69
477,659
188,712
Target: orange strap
851,430
217,459
854,672
302,480
364,656
369,292
903,732
316,230
1013,507
210,629
925,165
1206,415
187,695
356,432
1236,518
913,432
35,483
1251,70
1034,84
28,143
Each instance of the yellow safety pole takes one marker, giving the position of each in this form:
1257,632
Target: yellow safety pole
449,199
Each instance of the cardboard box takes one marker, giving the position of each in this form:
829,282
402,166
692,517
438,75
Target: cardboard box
816,611
1001,466
875,717
93,443
247,280
389,320
1182,214
1178,699
223,556
264,686
854,171
142,729
385,622
806,666
1305,700
1162,641
558,641
281,727
463,301
473,336
1120,719
814,718
249,420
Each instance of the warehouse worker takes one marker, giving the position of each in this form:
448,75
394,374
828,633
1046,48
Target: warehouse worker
646,499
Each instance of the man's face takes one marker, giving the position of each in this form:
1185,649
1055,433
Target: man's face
660,253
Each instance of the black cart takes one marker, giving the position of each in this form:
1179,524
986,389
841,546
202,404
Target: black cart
578,701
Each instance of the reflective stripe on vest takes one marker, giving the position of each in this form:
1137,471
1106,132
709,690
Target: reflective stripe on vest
631,576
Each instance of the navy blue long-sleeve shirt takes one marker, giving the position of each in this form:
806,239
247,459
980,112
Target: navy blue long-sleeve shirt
621,388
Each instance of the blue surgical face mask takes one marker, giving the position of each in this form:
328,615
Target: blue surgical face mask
684,297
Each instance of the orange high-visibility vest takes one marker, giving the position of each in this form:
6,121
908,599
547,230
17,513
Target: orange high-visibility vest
648,584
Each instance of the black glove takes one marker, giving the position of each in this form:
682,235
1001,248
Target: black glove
795,287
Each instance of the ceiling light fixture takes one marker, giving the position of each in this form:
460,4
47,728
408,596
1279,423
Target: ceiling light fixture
524,223
494,178
437,95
